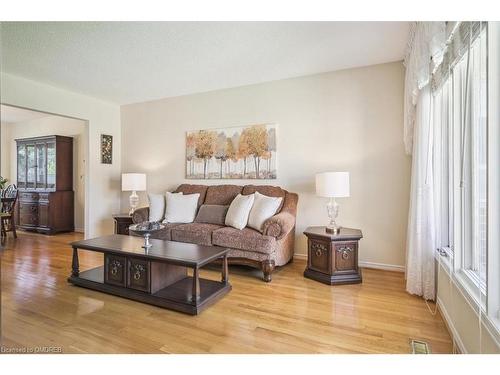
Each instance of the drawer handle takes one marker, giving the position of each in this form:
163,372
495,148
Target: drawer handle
345,252
318,249
115,264
138,270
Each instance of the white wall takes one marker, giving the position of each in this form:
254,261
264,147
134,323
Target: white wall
53,125
103,180
461,315
346,120
4,145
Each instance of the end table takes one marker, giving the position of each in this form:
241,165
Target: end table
333,258
122,222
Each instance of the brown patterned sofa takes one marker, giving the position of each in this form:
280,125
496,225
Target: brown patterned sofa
273,247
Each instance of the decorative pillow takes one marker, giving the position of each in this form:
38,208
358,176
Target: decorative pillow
212,214
263,208
237,214
180,208
156,206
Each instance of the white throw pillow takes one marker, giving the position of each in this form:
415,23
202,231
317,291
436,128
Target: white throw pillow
181,208
237,214
264,207
156,207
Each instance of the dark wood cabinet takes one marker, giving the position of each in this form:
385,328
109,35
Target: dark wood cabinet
115,270
333,259
45,182
122,222
138,275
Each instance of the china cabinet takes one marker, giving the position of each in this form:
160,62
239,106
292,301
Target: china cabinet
45,183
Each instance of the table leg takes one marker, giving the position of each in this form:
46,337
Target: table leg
195,295
75,266
225,272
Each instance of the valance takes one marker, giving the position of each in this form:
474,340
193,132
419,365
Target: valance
432,51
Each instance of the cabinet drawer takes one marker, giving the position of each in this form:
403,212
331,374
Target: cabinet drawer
345,257
115,270
43,197
28,208
28,220
138,274
28,197
319,256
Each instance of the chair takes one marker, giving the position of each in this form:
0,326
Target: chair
7,210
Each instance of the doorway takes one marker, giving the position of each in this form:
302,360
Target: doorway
25,125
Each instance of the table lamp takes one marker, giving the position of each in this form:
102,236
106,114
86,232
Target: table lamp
332,185
133,182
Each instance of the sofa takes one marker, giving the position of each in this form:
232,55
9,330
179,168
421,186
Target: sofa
265,251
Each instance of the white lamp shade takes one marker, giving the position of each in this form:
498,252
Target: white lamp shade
332,184
133,181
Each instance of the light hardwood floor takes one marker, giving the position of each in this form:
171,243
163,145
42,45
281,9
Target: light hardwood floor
289,315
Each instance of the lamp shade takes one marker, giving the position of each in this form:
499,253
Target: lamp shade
133,182
332,184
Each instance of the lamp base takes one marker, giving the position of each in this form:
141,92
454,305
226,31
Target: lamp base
333,210
134,202
333,230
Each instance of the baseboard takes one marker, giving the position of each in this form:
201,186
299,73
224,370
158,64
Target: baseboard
451,327
378,266
382,266
79,230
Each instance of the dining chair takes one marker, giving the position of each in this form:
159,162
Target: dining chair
7,211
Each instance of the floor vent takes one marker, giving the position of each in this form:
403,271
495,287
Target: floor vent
419,347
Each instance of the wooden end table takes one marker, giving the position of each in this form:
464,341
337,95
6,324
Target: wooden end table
333,259
122,222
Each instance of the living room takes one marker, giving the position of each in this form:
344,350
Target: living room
252,187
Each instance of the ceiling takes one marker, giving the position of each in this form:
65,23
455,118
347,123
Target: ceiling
14,115
128,62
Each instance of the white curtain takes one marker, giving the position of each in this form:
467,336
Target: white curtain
421,242
427,41
434,50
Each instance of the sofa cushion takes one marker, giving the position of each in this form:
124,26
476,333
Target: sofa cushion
238,211
222,194
270,191
263,208
245,239
180,208
211,214
162,234
193,189
197,233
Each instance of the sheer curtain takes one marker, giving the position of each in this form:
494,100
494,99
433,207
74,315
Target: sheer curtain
438,99
421,240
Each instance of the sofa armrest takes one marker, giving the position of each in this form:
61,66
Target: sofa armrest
279,225
140,215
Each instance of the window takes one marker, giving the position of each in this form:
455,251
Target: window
469,117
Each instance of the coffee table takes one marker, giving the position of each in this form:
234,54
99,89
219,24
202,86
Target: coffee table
157,275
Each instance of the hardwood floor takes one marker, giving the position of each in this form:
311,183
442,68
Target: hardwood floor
289,315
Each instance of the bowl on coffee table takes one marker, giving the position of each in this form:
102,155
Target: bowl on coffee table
145,229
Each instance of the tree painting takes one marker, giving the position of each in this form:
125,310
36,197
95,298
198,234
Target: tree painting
205,147
247,152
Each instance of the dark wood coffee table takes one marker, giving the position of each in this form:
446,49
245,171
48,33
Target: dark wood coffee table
157,276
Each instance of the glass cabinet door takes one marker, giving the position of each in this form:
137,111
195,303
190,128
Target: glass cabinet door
21,166
41,177
30,155
51,165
